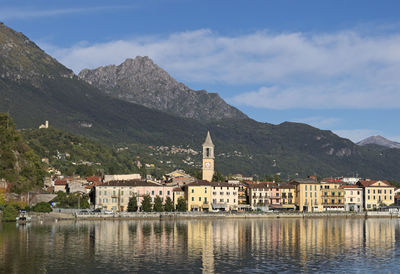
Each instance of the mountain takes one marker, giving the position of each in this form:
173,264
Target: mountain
34,87
19,165
142,82
380,141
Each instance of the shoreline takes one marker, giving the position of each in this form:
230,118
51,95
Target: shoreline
56,216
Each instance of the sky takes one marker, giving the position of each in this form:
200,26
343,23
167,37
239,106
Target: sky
332,64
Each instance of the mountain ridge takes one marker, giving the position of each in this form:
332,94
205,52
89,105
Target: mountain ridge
242,145
143,82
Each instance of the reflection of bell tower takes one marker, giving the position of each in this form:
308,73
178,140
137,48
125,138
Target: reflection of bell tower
208,158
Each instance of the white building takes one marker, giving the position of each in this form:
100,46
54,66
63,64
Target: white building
353,198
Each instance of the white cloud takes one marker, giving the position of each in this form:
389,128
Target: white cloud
294,70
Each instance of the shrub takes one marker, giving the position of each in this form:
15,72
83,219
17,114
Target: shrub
42,207
10,213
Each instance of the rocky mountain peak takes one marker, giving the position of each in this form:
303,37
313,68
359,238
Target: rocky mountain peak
143,82
379,140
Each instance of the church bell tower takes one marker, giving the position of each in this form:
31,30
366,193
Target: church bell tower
208,158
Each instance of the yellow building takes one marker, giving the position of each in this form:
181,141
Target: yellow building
332,196
178,193
377,194
308,195
288,195
198,195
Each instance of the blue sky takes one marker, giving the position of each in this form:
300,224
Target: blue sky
332,64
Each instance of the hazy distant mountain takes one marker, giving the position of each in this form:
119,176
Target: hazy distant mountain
379,140
142,82
34,87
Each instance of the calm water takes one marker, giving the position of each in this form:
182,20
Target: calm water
248,246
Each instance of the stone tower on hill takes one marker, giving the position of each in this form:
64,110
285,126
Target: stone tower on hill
208,158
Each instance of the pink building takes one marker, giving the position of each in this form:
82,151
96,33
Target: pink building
264,194
114,195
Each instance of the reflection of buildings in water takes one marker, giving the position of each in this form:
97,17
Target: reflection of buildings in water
380,235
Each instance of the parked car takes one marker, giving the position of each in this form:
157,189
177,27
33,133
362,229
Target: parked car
108,212
97,210
84,211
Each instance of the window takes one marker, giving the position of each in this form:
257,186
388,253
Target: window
358,192
368,206
221,200
326,201
192,199
373,191
316,202
310,194
205,190
369,197
152,192
305,194
305,201
192,190
339,201
306,187
168,192
221,187
368,191
228,193
227,200
326,193
333,193
221,193
214,193
315,188
199,199
114,200
214,201
160,193
114,192
122,193
277,194
390,191
234,200
351,192
205,199
373,197
332,201
351,199
283,202
234,193
385,197
379,191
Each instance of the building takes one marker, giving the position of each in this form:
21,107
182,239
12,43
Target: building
178,193
353,198
263,194
45,125
332,196
308,195
60,185
122,177
205,196
198,195
225,196
288,195
178,178
114,195
377,193
208,158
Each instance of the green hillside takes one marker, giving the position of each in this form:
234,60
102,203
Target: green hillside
19,164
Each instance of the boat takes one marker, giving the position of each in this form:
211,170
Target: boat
23,217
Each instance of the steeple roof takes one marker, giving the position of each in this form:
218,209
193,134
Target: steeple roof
208,141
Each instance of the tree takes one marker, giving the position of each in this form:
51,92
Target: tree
10,213
42,207
169,205
158,206
132,204
146,203
181,206
218,177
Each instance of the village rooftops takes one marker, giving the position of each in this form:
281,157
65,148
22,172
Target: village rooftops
132,183
304,181
207,183
350,186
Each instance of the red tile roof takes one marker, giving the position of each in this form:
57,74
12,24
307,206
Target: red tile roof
368,183
62,182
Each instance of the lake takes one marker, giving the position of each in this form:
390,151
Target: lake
210,246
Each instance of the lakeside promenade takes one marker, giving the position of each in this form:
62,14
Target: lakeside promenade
199,215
